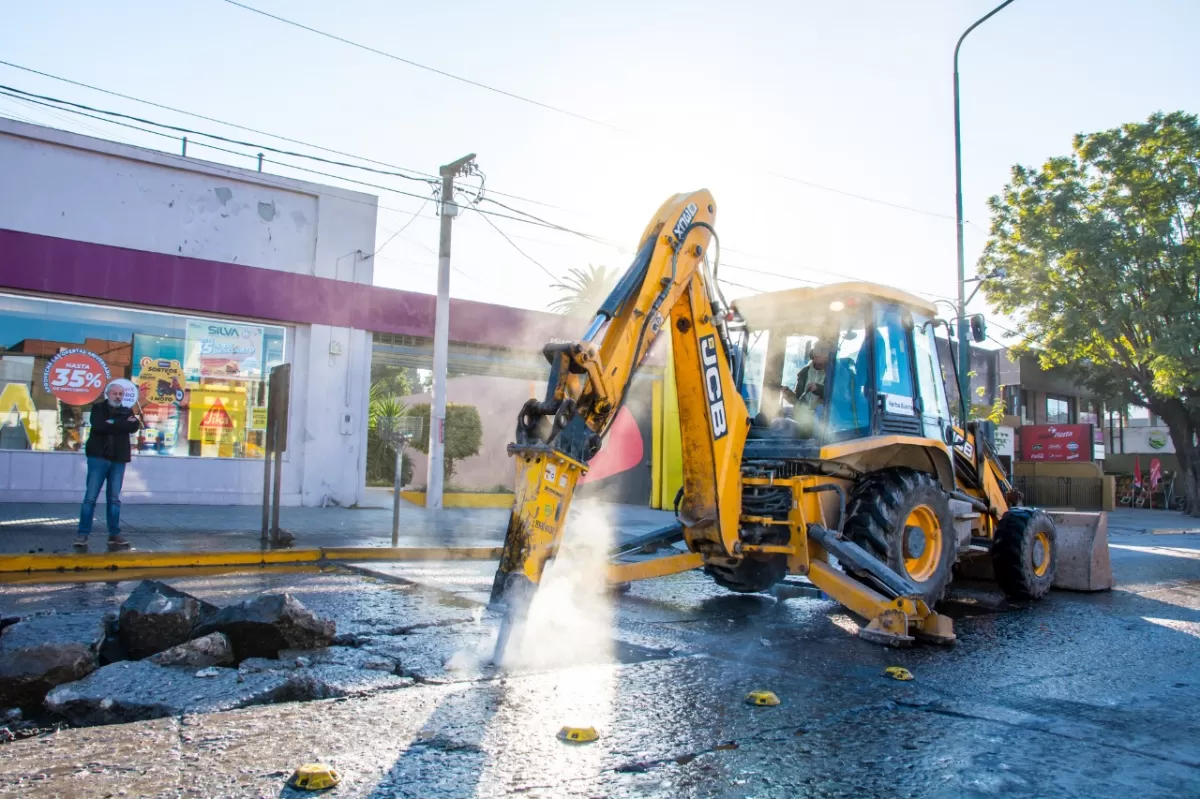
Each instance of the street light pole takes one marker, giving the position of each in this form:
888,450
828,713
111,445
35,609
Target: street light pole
964,344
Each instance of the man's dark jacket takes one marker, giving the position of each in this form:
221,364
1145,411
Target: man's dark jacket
109,436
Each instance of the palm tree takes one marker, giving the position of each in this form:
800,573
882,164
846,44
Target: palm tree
383,411
584,290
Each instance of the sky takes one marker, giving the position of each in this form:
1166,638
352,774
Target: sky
824,130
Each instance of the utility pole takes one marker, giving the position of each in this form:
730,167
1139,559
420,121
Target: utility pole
441,335
964,341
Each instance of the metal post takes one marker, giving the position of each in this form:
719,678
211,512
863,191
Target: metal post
964,343
266,514
396,493
185,146
441,338
275,536
260,162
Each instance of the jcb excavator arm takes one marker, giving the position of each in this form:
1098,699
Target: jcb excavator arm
590,378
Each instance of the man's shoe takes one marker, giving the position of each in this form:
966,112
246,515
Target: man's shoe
80,543
117,542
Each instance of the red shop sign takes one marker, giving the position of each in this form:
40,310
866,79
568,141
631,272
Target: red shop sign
76,377
1056,442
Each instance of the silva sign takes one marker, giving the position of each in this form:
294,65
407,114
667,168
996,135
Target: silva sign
223,349
1056,442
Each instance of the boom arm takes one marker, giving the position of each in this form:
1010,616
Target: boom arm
589,381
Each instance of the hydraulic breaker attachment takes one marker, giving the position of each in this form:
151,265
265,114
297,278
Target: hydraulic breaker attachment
545,483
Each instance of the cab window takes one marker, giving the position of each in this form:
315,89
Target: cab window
848,400
935,409
893,360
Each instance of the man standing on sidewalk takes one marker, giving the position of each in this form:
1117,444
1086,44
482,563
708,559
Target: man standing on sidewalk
107,451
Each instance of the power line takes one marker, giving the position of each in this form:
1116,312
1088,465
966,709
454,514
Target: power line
588,236
215,136
563,111
425,67
74,108
423,176
771,274
740,285
513,244
863,197
416,214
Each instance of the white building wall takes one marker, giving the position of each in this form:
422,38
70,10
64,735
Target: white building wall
60,184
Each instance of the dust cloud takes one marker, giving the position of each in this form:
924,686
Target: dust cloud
569,622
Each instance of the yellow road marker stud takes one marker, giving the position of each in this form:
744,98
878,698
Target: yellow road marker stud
898,673
314,777
578,735
762,699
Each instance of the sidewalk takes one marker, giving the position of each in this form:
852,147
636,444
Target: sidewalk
46,527
1133,521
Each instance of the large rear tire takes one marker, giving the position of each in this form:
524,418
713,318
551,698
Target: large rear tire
903,517
1024,554
750,576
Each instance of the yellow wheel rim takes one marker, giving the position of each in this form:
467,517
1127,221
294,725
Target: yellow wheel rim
1041,554
922,561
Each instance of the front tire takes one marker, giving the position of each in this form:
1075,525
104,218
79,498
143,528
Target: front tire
903,517
1024,554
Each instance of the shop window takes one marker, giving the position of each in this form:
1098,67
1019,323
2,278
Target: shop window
201,381
1058,410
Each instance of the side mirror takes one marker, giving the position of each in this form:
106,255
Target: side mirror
978,329
948,435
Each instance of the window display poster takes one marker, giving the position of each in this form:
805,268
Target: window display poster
160,381
76,377
217,419
229,350
158,369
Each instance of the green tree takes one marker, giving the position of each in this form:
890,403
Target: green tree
584,290
397,381
1103,269
383,408
463,434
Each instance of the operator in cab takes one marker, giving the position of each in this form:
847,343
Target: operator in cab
809,394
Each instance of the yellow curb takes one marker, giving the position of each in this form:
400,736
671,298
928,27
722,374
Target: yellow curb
412,553
154,560
124,575
123,561
462,500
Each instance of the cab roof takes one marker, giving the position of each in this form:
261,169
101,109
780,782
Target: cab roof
780,308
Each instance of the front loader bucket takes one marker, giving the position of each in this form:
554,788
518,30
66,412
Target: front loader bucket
1081,544
1081,540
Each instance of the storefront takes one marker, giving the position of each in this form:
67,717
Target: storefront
201,380
192,280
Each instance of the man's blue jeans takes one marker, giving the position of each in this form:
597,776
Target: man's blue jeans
102,472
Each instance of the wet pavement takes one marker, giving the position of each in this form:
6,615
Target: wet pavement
50,527
1076,696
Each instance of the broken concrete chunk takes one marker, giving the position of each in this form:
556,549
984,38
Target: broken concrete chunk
41,652
157,617
111,649
138,689
262,626
213,649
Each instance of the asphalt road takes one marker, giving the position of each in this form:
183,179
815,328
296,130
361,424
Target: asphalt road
1076,696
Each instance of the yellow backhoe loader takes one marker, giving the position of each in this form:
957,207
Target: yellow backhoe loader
855,476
